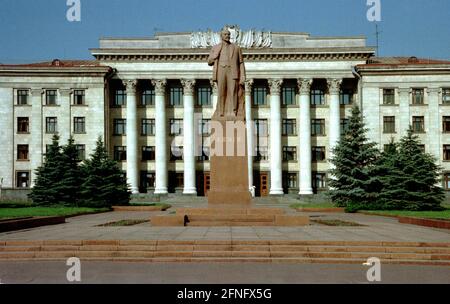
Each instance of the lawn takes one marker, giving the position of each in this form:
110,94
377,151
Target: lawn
444,214
46,211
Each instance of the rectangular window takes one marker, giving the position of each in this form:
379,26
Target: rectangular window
317,97
22,97
288,95
204,127
120,153
51,125
23,124
317,127
446,124
318,180
148,153
344,125
176,96
205,154
417,96
446,181
418,124
79,125
289,127
120,98
389,124
446,96
176,153
318,154
176,127
289,153
148,179
261,127
78,97
81,150
23,179
388,96
22,152
262,153
148,97
259,95
204,96
289,181
346,97
120,126
147,127
446,152
50,97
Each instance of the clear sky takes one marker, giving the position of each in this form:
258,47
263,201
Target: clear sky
38,30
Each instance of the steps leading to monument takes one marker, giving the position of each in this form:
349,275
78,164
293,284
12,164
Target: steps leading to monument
229,251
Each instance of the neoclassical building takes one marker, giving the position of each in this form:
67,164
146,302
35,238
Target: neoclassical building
151,99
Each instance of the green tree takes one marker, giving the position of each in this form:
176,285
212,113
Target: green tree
48,175
104,184
353,183
69,185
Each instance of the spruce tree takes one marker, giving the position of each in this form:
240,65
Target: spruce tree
46,191
353,184
104,184
420,180
69,185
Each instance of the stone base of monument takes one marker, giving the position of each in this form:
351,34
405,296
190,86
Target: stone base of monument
228,216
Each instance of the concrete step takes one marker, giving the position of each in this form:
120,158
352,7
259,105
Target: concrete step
232,218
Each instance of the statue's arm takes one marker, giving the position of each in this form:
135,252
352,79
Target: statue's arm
214,55
241,67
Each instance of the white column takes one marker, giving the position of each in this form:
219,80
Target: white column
160,137
305,136
214,94
36,128
434,124
249,126
132,136
188,137
334,131
404,119
65,121
276,183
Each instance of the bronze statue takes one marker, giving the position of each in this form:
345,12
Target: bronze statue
229,73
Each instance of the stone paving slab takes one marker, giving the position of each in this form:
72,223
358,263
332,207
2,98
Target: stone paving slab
376,228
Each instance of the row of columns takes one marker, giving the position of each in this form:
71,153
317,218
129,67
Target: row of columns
275,156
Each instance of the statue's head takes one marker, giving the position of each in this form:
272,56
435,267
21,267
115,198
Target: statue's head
225,34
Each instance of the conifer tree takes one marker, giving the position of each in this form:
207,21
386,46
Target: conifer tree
69,185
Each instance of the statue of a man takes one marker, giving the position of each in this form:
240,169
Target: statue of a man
229,73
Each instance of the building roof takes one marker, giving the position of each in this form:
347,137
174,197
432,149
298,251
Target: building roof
56,63
398,61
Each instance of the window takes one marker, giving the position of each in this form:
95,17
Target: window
346,97
23,179
148,97
205,154
176,96
417,96
289,153
22,152
446,124
176,153
22,97
318,154
120,98
50,97
344,125
318,180
204,96
446,96
23,125
418,124
388,96
288,95
79,125
317,97
51,125
81,150
78,97
446,152
148,179
147,127
289,127
447,181
176,127
389,124
259,95
261,127
289,181
120,153
120,126
148,153
204,127
262,153
317,127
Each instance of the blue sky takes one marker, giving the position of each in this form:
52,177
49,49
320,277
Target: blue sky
38,30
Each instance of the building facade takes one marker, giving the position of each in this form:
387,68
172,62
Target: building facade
152,100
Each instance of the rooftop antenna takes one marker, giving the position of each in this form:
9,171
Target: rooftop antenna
377,34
